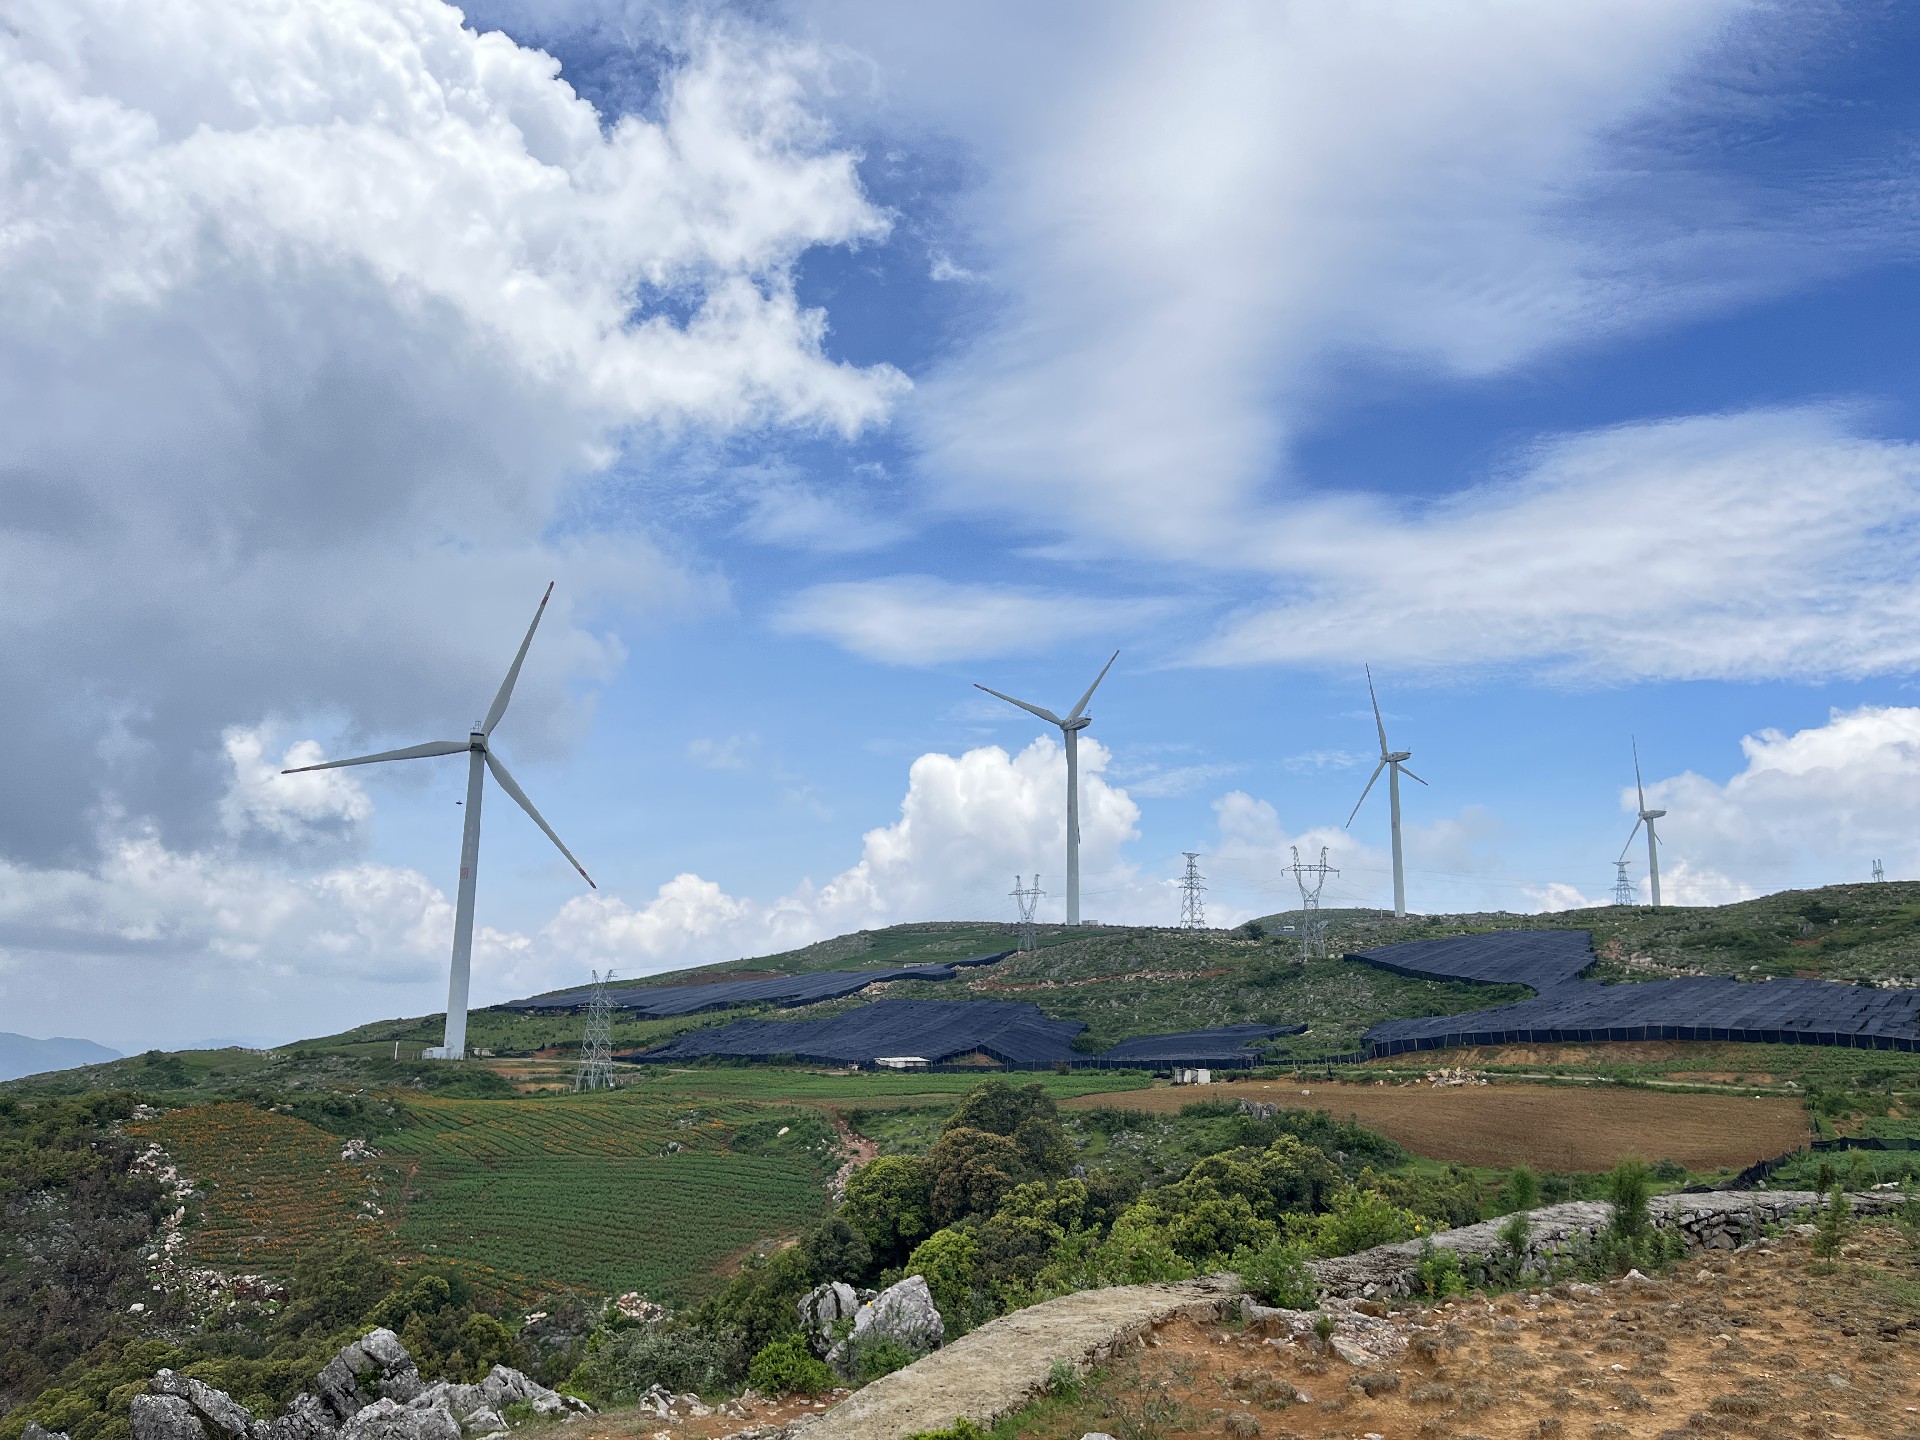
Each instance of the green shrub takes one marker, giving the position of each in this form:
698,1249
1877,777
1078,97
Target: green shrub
1629,1187
624,1365
1359,1220
1833,1226
869,1359
1523,1189
948,1260
961,1429
1064,1380
1437,1273
1277,1274
788,1367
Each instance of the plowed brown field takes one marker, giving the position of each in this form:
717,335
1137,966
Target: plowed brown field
1549,1126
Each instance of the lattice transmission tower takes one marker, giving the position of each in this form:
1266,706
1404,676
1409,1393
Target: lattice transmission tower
1313,925
596,1051
1879,871
1028,898
1193,909
1622,886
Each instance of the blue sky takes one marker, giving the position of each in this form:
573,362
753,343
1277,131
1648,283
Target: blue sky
1556,361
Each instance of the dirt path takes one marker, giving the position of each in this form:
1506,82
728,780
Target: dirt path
1002,1365
1553,1127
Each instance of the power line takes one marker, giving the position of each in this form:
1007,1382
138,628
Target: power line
1193,910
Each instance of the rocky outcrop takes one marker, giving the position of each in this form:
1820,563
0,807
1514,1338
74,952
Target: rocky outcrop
36,1431
371,1390
1714,1220
375,1367
903,1313
824,1308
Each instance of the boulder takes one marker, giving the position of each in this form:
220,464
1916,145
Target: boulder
164,1417
824,1307
506,1386
904,1313
36,1431
388,1419
222,1414
374,1367
305,1419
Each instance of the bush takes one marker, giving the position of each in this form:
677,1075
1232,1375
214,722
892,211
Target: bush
1833,1226
1628,1187
971,1171
948,1260
624,1365
961,1429
1359,1220
1437,1273
1523,1189
835,1250
788,1367
869,1359
1277,1274
999,1108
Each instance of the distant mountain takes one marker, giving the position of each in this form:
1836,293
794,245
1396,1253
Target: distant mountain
23,1055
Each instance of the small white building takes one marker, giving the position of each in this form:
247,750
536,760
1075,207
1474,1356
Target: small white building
900,1062
1184,1075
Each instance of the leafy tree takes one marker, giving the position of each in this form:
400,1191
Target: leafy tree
888,1202
788,1367
1523,1189
1001,1109
1358,1220
759,1305
835,1250
972,1171
948,1260
335,1285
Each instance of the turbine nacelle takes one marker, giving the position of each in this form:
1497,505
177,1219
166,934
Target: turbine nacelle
1082,723
1652,814
1398,757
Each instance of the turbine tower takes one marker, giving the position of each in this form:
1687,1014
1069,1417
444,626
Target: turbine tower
1070,728
1647,817
1394,762
480,759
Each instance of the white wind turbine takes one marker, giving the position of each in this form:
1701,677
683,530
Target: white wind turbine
1647,817
1070,728
1394,762
481,758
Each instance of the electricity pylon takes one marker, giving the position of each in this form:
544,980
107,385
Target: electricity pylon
1027,897
1622,886
1193,910
596,1051
1313,926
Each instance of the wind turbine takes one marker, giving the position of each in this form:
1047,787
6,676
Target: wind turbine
1070,728
1647,817
481,758
1394,762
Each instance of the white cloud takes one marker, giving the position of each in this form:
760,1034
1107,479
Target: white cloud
1769,543
316,321
967,824
289,806
788,512
1813,807
920,620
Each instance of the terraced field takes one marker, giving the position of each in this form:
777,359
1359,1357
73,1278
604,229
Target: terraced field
273,1185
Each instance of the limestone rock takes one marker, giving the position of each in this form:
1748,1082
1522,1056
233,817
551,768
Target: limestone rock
222,1414
904,1313
165,1417
305,1419
36,1431
823,1307
388,1419
374,1367
506,1386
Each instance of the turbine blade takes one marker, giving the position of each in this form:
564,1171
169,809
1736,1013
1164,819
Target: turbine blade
507,784
1410,775
1639,789
1630,838
1074,714
412,752
499,706
1368,791
1046,715
1379,724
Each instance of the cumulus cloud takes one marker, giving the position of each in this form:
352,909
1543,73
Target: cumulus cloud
1810,807
317,319
968,823
921,620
